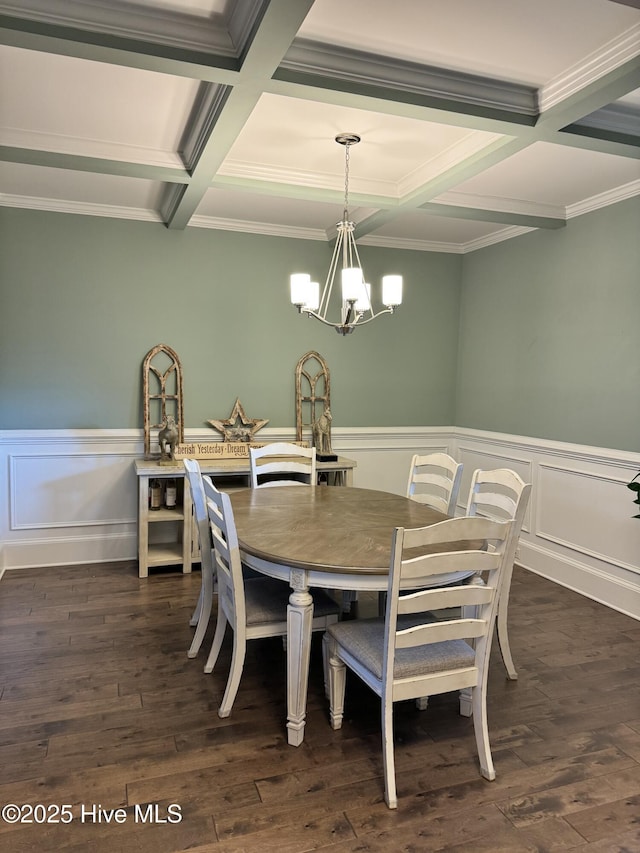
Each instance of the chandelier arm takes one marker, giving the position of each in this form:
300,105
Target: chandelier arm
326,322
359,322
328,285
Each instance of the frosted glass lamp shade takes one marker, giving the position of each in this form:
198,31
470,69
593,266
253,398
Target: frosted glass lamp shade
352,284
392,290
300,288
313,301
363,302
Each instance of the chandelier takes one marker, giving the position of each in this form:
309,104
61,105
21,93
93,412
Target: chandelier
356,309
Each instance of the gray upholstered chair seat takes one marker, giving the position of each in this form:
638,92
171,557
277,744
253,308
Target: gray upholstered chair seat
266,600
364,640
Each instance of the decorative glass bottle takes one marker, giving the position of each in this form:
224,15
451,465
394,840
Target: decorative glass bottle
170,493
155,494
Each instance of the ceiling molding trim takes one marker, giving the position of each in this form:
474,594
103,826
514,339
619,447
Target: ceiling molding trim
117,50
617,118
626,191
128,20
244,21
472,144
303,192
309,57
72,146
223,224
594,139
450,211
95,165
495,237
411,245
616,53
81,208
206,111
498,204
243,171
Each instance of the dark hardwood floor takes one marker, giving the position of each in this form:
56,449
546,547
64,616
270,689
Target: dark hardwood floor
99,706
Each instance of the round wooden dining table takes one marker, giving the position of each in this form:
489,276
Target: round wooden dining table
321,536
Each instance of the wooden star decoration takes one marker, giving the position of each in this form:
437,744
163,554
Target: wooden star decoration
238,427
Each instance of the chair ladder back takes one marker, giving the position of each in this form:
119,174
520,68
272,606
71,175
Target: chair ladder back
502,493
455,531
283,463
443,598
227,553
439,632
194,479
438,477
202,612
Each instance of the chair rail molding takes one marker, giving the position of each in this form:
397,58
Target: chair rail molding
70,496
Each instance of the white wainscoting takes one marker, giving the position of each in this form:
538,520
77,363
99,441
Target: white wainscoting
579,529
69,496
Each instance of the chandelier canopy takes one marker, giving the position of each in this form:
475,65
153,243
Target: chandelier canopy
356,309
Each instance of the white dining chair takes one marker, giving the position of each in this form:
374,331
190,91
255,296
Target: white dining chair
503,495
282,464
434,480
408,655
254,607
202,612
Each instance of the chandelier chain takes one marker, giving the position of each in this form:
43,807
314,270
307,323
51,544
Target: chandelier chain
347,159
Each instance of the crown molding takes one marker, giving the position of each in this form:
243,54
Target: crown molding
85,147
222,224
81,208
132,21
596,65
604,199
496,237
307,57
500,205
615,118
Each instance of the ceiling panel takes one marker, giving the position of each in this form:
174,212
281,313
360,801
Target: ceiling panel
224,114
516,40
553,175
41,183
84,107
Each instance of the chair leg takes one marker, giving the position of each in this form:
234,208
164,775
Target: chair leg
196,613
466,702
325,663
233,682
218,637
388,760
203,610
469,612
348,598
481,730
337,685
503,633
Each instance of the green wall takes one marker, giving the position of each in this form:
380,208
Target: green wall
83,299
547,327
550,333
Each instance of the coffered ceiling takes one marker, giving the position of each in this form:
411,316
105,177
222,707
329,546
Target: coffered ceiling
479,119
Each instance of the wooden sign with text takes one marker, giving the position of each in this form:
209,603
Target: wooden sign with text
220,449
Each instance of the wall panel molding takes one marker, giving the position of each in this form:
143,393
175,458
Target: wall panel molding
579,531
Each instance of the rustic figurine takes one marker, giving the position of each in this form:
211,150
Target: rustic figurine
168,438
322,434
